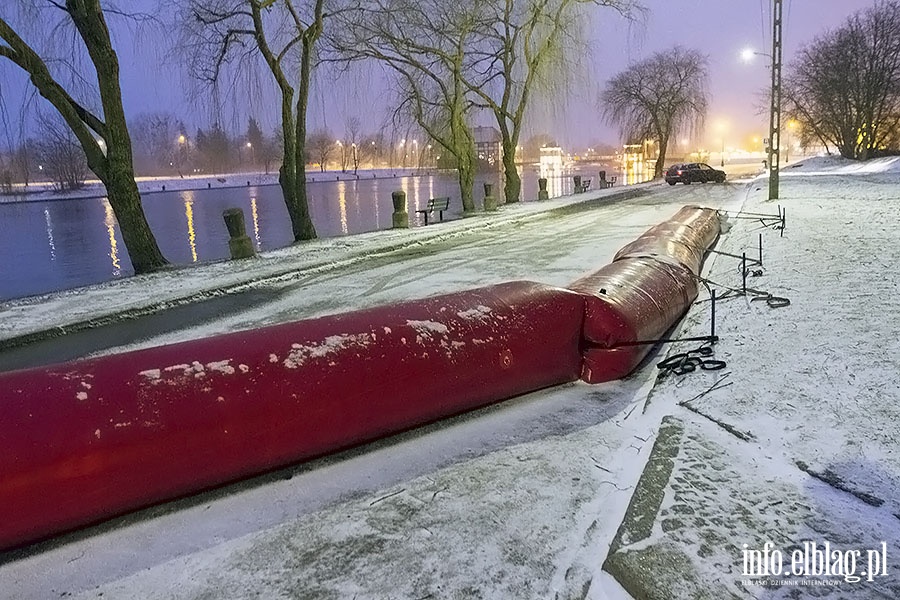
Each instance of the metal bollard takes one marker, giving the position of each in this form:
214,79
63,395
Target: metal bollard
543,194
400,218
490,202
239,243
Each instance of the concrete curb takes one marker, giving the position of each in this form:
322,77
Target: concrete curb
642,567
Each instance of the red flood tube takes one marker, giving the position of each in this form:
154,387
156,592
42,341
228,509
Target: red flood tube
87,440
643,293
682,240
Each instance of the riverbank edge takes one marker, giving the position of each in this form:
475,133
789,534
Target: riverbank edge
418,236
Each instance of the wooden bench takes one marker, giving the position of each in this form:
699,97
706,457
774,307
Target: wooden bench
435,204
585,186
607,183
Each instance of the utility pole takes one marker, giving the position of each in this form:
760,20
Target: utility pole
775,109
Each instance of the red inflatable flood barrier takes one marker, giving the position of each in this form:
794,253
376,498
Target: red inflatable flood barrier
643,293
87,440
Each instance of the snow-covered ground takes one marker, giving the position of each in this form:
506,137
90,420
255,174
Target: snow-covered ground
524,499
798,443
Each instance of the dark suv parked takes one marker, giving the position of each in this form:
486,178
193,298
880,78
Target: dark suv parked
689,173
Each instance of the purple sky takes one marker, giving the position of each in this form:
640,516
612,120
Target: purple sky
719,28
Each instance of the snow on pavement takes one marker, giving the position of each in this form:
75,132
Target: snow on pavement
543,479
798,444
523,499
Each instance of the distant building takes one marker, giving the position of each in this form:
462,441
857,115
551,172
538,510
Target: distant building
488,147
551,161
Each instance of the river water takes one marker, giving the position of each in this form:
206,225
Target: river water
60,244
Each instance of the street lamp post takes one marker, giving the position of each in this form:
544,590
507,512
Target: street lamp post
775,110
722,128
773,162
792,126
340,145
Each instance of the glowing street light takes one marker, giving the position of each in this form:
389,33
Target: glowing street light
748,54
182,140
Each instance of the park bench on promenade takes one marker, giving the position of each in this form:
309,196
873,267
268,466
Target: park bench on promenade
438,205
582,186
606,183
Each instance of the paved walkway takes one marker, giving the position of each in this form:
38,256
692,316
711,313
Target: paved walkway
795,443
519,500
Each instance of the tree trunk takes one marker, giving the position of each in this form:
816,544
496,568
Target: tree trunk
466,176
125,201
661,159
467,166
116,169
301,222
512,188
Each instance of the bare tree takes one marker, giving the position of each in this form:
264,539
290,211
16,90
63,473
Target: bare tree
22,161
103,137
844,88
156,141
352,129
657,98
255,140
272,149
370,150
60,154
321,146
529,46
283,33
424,43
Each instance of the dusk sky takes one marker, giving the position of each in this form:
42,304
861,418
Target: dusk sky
719,28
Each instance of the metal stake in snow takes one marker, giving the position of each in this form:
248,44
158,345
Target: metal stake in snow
744,273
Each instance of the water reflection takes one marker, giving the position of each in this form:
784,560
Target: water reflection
189,215
377,205
110,222
254,212
636,169
85,245
50,234
554,180
342,205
